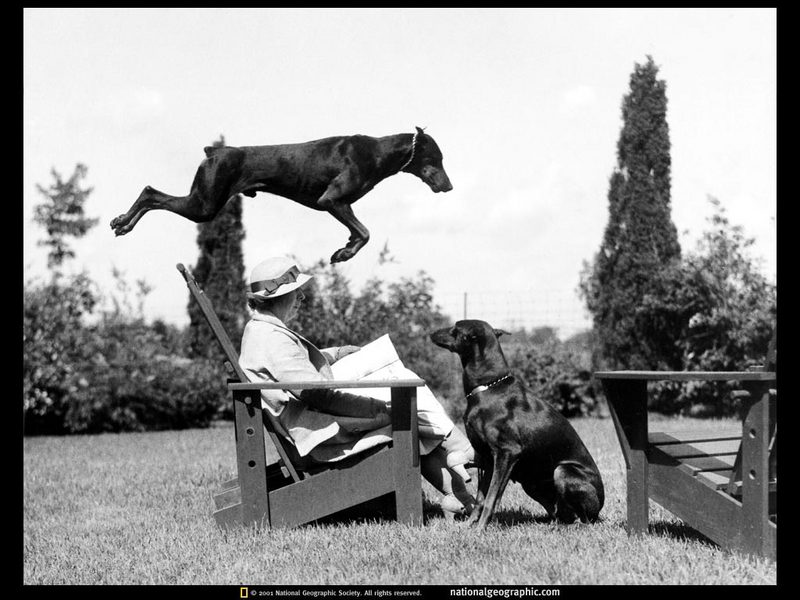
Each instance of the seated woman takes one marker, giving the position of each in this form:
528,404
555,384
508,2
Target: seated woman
329,425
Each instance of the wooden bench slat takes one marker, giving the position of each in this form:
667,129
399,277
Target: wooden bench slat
707,454
672,437
697,464
724,449
687,375
717,480
685,451
692,465
772,487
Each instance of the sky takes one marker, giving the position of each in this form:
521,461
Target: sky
525,105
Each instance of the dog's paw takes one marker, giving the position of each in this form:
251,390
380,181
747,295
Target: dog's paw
341,255
120,229
117,225
474,516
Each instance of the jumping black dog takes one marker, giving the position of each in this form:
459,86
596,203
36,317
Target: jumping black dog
328,174
518,436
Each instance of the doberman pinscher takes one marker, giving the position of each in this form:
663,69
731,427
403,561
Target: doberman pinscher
328,174
518,436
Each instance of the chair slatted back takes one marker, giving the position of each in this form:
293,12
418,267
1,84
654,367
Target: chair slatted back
233,360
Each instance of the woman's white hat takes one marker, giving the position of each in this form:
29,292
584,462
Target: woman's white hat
275,277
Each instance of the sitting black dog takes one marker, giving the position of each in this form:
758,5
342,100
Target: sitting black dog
519,437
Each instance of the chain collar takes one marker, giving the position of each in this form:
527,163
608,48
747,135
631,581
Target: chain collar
413,150
483,388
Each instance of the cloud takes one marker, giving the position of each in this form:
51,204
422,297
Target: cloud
147,102
578,97
122,110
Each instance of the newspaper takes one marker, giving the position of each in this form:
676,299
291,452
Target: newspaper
377,360
377,355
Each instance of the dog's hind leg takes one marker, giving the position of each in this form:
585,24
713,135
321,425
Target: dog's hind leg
544,494
212,187
577,497
501,472
149,199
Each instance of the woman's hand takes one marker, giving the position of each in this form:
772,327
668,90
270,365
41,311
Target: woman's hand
343,351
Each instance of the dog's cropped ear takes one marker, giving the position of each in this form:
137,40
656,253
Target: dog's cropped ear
499,332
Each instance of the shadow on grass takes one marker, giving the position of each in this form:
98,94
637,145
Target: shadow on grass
519,516
378,509
503,517
382,509
679,531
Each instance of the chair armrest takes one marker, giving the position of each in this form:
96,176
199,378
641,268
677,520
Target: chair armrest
687,375
403,419
326,385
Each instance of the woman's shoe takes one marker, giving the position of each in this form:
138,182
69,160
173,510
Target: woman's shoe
456,498
453,507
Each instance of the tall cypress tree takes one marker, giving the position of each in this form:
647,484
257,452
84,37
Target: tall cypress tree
640,240
220,274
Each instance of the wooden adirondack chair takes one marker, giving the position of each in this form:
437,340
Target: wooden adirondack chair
723,483
291,491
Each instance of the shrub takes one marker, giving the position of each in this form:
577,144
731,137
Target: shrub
53,337
118,374
558,373
129,382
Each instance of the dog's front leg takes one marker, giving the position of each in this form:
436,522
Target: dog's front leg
359,235
503,464
341,192
484,477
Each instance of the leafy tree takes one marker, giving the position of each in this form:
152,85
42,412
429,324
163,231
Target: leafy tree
220,274
722,310
735,305
640,239
53,312
61,214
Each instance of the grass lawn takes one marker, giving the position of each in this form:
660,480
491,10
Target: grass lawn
136,509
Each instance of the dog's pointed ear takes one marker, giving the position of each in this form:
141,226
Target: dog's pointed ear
499,332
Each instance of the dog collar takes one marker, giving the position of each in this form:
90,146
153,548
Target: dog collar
483,388
413,150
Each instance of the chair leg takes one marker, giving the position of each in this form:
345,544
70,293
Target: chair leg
755,473
627,402
405,447
251,459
